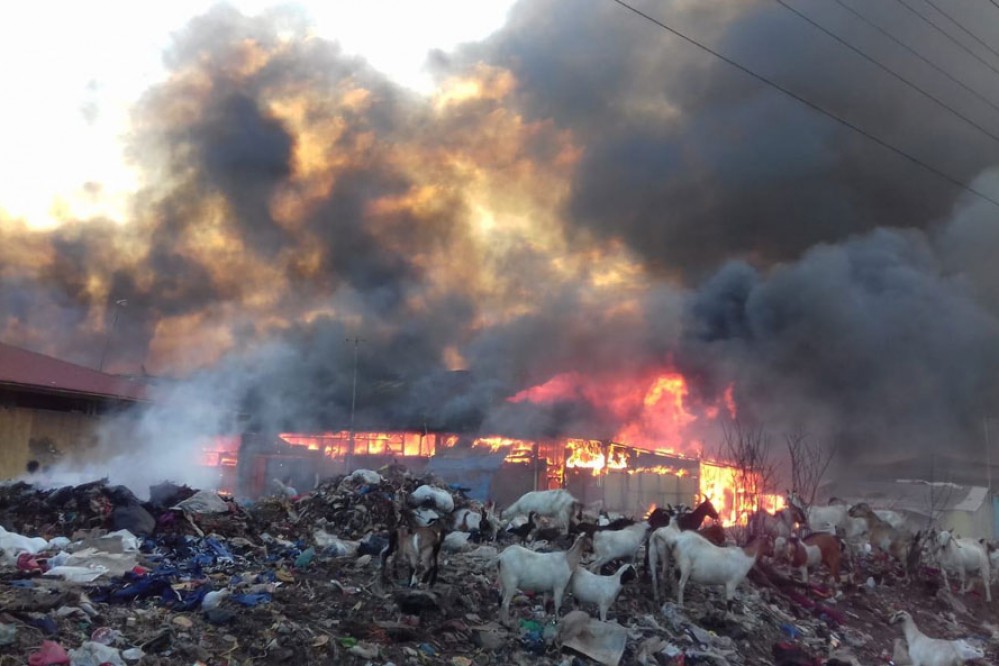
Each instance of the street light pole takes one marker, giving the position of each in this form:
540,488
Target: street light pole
118,305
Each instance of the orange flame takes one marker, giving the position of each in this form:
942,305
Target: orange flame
720,483
337,444
220,451
495,444
520,450
654,409
589,453
660,469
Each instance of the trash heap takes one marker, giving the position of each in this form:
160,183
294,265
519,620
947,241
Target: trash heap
90,575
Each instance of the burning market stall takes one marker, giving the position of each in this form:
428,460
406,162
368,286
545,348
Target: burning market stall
628,480
599,473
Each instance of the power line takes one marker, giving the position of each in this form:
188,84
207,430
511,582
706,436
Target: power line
917,53
995,3
887,69
959,25
810,104
949,36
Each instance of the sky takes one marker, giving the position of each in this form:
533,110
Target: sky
584,201
76,79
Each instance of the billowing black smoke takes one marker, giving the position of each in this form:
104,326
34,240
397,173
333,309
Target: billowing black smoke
841,288
693,162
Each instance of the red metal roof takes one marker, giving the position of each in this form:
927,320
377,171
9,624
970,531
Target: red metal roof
30,370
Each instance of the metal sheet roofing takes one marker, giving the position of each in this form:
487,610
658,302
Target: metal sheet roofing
909,495
30,370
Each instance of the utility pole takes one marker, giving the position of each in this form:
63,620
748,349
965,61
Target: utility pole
353,402
988,455
118,305
988,472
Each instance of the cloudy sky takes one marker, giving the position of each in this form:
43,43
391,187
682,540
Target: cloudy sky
521,191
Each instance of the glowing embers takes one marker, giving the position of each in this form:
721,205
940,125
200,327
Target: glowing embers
220,451
595,455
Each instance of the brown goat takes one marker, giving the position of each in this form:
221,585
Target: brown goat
419,547
815,549
882,535
714,533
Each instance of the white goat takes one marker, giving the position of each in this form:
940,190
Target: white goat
707,564
821,518
660,546
466,520
523,569
926,651
854,528
455,542
617,544
966,556
805,558
431,497
780,549
893,518
591,588
555,504
828,518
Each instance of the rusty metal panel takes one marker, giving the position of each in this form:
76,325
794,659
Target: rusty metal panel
584,486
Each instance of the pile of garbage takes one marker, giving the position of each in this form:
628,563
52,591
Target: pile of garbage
91,575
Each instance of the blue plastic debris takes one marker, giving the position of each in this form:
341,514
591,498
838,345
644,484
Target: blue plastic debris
305,559
219,616
372,544
250,600
533,642
790,630
192,599
269,576
46,624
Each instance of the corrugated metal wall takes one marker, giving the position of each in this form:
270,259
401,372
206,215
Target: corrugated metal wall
71,434
631,494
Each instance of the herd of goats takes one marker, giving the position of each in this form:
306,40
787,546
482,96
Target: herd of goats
563,548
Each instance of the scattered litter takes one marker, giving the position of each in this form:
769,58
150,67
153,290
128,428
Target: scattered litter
203,501
603,642
95,654
216,580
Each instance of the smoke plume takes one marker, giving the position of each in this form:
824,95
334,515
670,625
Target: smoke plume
584,193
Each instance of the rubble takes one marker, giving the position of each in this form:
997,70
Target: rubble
296,580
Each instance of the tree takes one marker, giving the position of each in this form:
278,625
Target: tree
809,463
748,449
939,494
